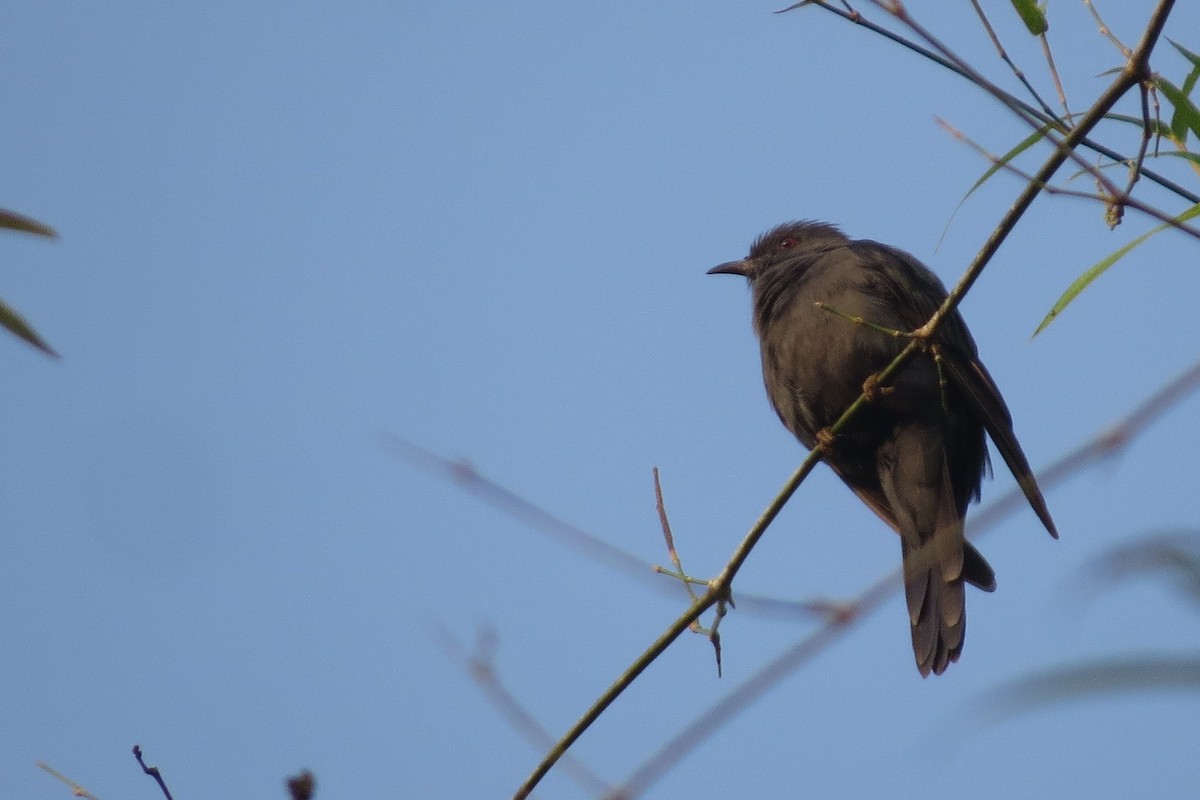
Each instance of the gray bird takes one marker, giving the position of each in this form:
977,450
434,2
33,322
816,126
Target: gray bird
916,453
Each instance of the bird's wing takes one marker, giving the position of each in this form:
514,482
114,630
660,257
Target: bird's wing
973,380
961,359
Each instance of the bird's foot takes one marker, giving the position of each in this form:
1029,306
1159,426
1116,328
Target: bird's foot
825,440
872,389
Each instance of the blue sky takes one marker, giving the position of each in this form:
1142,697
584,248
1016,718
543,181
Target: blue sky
287,229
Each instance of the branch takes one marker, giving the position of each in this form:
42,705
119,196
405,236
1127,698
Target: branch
1010,100
1107,443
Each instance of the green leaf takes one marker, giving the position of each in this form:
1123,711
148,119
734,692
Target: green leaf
1186,116
1032,15
17,325
1085,280
1157,127
19,222
1192,157
1024,145
1188,54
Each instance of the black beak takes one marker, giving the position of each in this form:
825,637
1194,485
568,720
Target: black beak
732,268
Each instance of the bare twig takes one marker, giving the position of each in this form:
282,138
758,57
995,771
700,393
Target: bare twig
302,786
1106,32
1135,169
987,26
1058,87
1105,444
1046,119
152,772
1130,76
76,789
591,545
481,666
1105,198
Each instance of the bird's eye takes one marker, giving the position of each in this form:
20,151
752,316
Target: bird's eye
789,243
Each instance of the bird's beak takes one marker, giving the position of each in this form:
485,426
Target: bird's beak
732,268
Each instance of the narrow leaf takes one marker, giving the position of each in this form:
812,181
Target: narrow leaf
1024,145
1085,280
1157,127
17,325
1033,17
1188,54
1186,116
19,222
1171,554
1100,679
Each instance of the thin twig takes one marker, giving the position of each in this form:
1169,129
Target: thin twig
712,633
302,786
1105,444
76,789
857,18
1137,69
1051,189
506,500
152,772
1129,77
1106,31
1135,169
987,26
1058,87
480,664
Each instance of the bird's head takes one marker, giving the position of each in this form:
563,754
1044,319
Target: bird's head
781,244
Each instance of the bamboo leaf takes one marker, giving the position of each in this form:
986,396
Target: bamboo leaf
1095,680
1024,145
1085,280
1186,116
1032,15
17,325
19,222
1157,127
1188,54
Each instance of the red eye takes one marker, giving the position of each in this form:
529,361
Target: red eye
789,243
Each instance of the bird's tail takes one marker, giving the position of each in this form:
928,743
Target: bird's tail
934,588
932,543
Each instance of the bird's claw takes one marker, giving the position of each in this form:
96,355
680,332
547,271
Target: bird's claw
873,391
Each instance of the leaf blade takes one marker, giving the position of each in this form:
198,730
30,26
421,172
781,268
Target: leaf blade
1099,268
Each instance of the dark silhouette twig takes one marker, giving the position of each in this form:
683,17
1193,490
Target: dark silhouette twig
151,771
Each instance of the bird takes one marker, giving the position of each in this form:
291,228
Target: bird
830,313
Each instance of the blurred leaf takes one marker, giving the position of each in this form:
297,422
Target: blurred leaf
1193,157
1156,126
1173,554
16,324
1085,280
1079,173
1024,145
1189,55
1032,15
17,222
1100,678
1186,116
